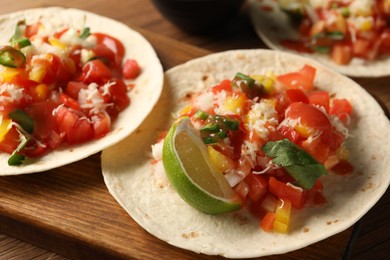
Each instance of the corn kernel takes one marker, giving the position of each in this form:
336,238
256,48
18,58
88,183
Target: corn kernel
342,153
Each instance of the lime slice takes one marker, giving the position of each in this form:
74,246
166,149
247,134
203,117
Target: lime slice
193,175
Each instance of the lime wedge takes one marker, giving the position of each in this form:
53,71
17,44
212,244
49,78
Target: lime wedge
193,175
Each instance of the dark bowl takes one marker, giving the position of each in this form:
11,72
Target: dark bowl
199,16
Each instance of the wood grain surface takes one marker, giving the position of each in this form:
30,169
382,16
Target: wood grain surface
68,213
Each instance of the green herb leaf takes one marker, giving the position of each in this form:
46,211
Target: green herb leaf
22,119
297,162
85,33
16,158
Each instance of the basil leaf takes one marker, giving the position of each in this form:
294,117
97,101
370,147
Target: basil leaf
297,162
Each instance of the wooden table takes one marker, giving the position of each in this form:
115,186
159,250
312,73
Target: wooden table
68,212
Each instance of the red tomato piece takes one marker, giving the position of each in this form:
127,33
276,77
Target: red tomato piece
119,95
341,108
101,125
342,53
113,44
317,149
310,117
81,132
302,79
73,88
131,69
319,98
10,141
96,71
296,95
289,133
224,85
267,223
104,53
42,116
343,168
69,102
258,186
284,191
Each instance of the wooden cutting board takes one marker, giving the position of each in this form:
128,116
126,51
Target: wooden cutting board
69,211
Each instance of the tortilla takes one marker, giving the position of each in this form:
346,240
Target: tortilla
130,178
273,25
148,85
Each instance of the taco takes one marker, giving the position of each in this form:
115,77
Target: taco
352,37
135,182
72,83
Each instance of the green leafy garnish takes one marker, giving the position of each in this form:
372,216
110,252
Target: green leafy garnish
18,40
16,158
85,33
297,162
22,119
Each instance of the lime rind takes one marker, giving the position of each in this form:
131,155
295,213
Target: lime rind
185,186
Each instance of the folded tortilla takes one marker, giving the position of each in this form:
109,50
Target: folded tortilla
148,85
130,175
273,25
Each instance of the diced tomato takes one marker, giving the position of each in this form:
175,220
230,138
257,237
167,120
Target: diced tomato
113,44
101,125
284,191
361,48
73,88
69,102
319,98
296,95
341,108
310,117
308,72
96,71
104,53
258,186
131,69
10,141
289,133
303,79
384,47
224,85
35,150
42,116
65,119
267,222
343,168
32,29
81,132
342,54
119,95
317,149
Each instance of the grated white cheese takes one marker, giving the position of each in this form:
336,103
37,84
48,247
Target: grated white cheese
90,98
204,101
259,115
11,93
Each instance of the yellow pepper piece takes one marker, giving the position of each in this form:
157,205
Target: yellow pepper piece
186,110
267,81
234,104
302,130
57,43
342,153
282,216
4,128
221,161
42,92
7,74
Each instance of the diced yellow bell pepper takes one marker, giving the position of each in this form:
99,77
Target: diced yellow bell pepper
282,216
7,74
234,104
186,110
4,128
57,43
42,92
221,161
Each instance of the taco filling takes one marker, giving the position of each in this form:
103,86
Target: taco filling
273,137
341,29
60,86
